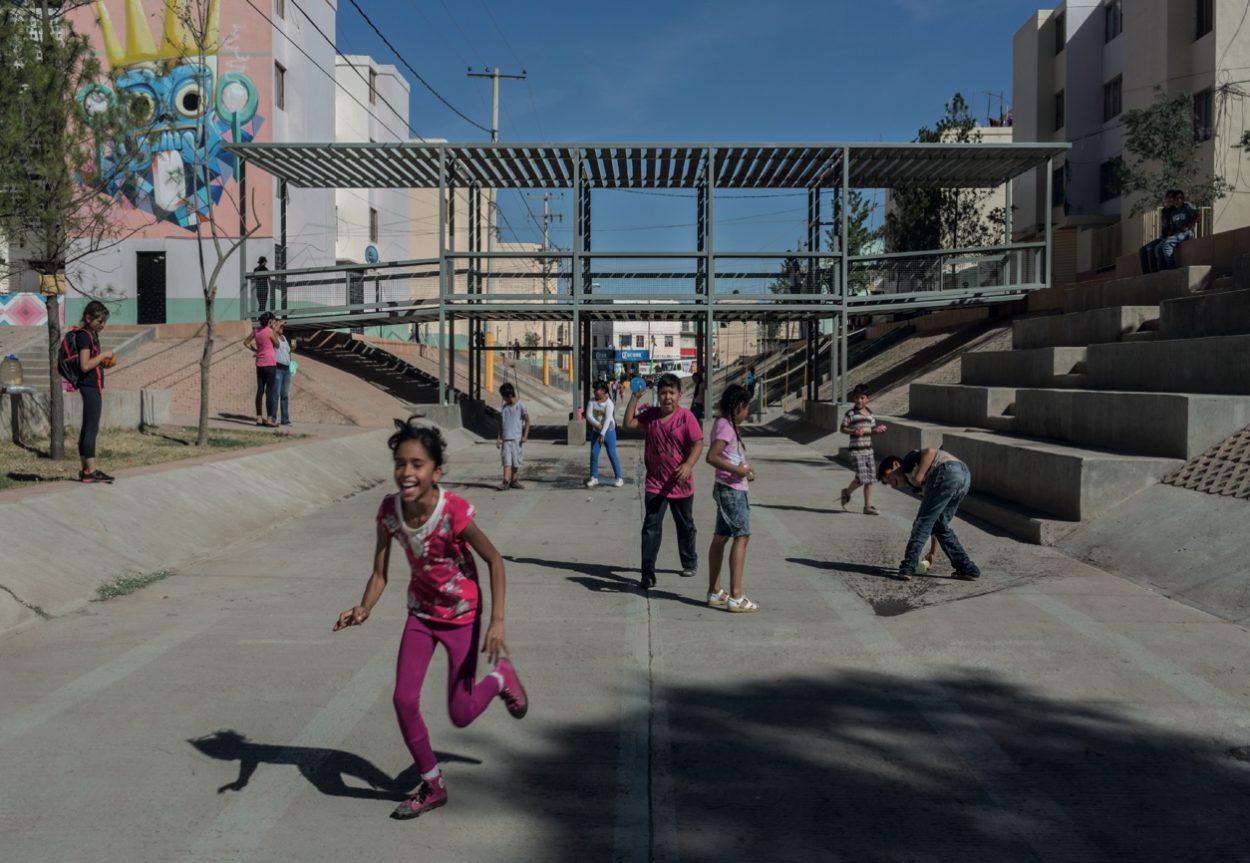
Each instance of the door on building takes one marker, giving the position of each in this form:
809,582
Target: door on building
151,287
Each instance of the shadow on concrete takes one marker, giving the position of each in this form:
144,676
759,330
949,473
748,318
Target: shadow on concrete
795,508
874,768
848,568
324,768
601,578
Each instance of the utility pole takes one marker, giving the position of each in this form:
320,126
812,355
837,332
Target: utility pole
548,217
495,75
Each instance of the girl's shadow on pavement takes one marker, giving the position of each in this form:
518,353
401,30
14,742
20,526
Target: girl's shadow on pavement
324,768
602,578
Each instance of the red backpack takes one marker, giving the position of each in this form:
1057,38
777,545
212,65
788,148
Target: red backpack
67,361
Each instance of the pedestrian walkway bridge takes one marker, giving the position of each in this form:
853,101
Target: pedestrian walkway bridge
705,285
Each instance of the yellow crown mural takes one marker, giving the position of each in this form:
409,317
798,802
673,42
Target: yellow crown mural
179,40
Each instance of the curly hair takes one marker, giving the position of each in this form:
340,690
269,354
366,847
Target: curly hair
428,436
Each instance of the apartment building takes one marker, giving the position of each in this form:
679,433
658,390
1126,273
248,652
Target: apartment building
1077,68
264,75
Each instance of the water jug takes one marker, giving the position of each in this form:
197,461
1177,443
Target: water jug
10,371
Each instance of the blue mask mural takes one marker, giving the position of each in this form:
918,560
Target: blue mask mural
177,168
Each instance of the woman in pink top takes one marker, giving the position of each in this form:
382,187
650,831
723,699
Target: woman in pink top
262,342
674,444
436,530
733,510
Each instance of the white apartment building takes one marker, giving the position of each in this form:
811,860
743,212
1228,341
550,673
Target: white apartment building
1077,68
273,72
371,104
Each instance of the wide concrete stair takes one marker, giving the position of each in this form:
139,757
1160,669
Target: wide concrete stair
121,339
1093,405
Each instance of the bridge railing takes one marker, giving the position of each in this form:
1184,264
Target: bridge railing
542,283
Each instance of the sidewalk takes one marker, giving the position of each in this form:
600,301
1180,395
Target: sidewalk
1050,712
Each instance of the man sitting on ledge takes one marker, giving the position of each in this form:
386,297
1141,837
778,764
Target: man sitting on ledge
1175,226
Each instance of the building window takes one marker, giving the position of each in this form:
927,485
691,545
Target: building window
373,225
279,86
638,342
1206,17
1112,93
279,8
1202,116
1059,110
1060,26
1113,19
1109,179
625,342
373,87
668,341
1057,190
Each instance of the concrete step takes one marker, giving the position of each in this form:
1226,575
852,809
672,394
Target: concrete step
1076,329
1040,367
1170,425
1209,365
903,434
1059,481
1142,336
1218,313
959,404
1146,290
1026,525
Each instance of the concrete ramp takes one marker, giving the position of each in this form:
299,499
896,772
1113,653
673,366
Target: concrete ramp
1187,545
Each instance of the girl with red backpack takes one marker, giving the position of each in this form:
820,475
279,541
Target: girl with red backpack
81,346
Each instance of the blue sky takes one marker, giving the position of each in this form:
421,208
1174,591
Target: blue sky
733,71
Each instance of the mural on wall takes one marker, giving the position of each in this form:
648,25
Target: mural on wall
187,109
27,310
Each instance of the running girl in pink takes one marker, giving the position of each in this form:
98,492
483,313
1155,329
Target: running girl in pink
436,530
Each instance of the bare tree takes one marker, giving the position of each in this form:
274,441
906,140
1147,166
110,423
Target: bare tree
216,245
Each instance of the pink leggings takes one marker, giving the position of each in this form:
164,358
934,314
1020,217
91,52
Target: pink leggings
466,700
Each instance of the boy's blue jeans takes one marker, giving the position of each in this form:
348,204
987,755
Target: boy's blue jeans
596,442
945,490
1165,251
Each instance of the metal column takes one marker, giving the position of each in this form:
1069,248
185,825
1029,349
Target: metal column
451,243
575,276
442,276
844,335
1008,230
474,286
707,245
584,218
1050,179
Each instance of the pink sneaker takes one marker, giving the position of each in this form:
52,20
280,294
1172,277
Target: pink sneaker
512,693
431,794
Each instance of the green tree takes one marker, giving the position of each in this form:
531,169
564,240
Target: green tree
923,218
49,165
1161,153
860,239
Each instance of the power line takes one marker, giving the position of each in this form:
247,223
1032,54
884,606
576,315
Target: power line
424,83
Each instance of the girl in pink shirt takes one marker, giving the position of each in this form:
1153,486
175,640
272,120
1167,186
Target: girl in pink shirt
728,455
263,341
436,530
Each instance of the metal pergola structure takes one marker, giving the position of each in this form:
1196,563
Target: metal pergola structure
697,285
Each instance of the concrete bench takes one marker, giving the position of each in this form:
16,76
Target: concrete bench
1066,482
1077,329
1040,367
1171,425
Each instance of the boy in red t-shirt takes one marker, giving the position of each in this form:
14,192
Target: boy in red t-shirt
673,446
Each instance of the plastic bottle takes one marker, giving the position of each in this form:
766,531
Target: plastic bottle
10,371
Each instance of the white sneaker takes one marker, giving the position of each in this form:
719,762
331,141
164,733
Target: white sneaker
592,482
618,482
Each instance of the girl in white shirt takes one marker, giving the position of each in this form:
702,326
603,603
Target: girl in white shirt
601,416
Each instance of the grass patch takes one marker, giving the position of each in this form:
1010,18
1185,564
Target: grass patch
117,449
123,584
